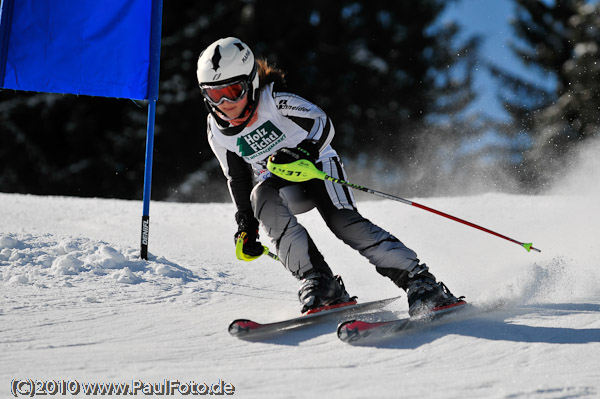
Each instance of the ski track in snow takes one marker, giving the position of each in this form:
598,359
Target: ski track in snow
76,302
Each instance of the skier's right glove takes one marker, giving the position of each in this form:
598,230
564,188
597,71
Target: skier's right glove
248,234
307,149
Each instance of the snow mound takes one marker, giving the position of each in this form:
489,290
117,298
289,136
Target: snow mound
29,259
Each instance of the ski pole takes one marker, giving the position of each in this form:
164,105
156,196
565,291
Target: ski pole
303,170
270,254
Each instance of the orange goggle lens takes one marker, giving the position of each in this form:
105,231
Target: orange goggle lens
218,94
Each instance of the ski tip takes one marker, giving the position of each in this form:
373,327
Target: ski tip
346,330
241,327
351,330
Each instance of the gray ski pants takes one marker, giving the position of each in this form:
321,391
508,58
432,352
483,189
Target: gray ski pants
275,202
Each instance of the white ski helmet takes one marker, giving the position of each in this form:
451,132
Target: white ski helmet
227,61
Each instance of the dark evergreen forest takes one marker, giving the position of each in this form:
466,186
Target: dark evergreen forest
394,79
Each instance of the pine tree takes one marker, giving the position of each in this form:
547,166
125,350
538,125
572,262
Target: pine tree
575,115
559,40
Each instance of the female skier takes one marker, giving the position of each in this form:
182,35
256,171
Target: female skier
249,122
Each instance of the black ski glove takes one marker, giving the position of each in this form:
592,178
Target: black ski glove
248,224
307,149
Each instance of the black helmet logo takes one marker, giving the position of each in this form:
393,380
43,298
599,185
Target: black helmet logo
216,58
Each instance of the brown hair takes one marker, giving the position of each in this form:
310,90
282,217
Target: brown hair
268,73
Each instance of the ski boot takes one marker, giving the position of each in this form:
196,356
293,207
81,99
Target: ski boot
425,294
320,289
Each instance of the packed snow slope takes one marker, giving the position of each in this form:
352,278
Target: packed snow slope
77,303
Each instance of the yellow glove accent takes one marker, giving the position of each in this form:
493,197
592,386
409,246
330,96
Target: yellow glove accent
239,249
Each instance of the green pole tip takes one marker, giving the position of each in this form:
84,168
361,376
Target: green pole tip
527,246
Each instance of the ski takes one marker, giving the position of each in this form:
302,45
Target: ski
358,331
244,328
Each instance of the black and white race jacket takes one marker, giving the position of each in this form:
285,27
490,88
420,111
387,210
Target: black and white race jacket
284,120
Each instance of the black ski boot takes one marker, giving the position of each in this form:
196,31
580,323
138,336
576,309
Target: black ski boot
320,289
425,294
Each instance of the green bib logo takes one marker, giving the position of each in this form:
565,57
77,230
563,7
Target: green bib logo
260,141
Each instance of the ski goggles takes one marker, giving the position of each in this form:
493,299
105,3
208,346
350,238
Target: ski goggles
230,92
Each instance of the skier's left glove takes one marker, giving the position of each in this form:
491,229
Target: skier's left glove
307,149
248,233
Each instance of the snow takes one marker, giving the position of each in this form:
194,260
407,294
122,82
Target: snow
77,303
